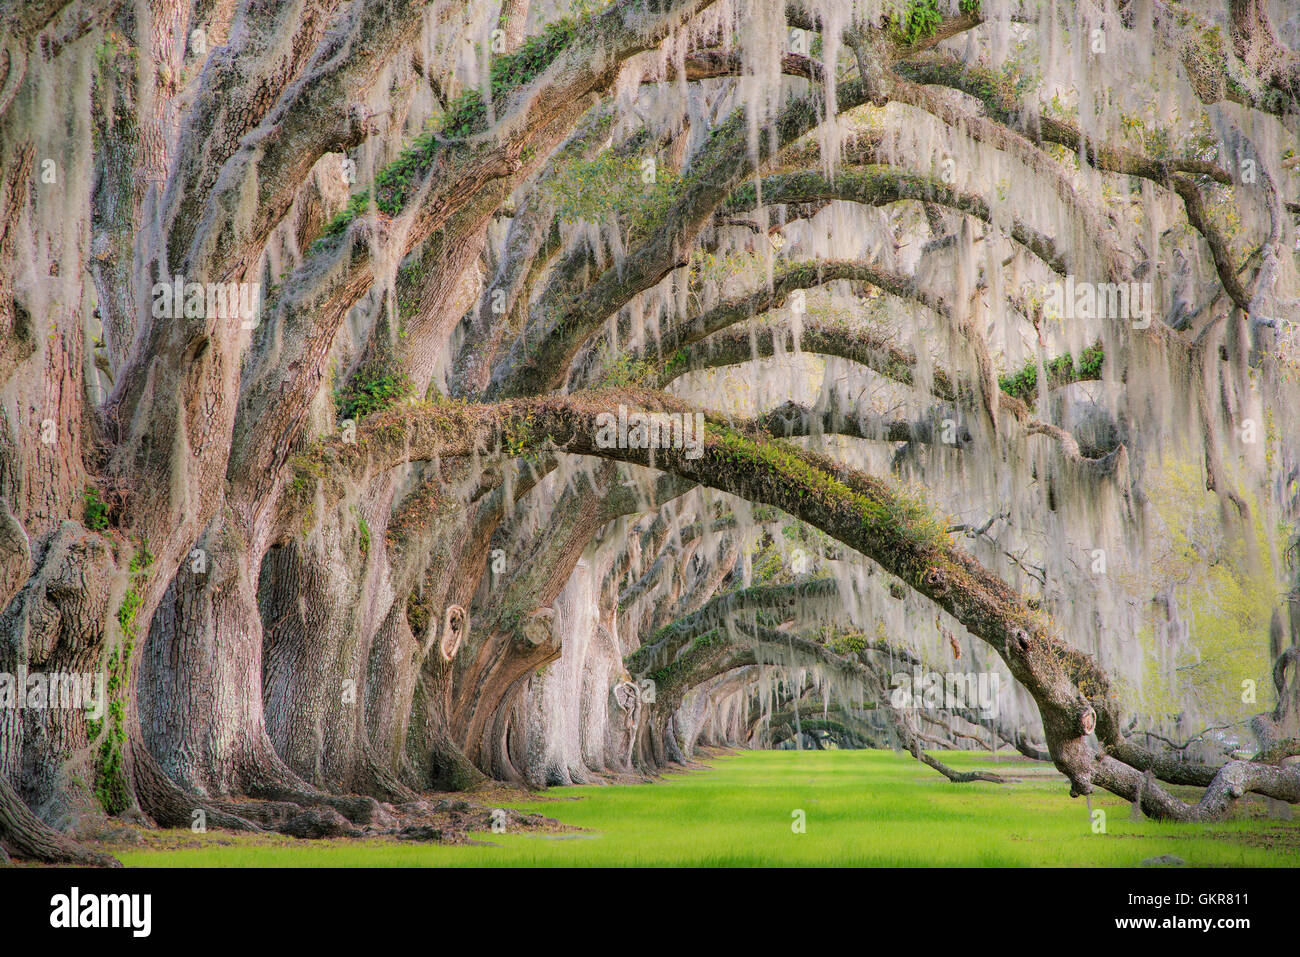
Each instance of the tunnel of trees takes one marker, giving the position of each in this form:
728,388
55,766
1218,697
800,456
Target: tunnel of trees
400,394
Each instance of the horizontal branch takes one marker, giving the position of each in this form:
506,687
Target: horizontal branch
880,185
787,601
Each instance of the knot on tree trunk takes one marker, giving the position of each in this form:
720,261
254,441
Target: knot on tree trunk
538,629
935,582
455,627
1087,721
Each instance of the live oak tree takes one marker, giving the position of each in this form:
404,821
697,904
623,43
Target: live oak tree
310,312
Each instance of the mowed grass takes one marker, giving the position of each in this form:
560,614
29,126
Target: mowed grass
861,808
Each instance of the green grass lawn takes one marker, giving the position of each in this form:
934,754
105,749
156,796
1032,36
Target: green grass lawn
872,808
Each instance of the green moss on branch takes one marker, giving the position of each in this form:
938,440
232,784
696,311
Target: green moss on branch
1023,383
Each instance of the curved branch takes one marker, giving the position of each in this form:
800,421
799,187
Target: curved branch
880,185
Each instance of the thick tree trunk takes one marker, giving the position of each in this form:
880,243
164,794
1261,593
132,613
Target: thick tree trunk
202,669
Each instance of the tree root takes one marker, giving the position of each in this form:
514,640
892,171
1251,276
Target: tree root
26,836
